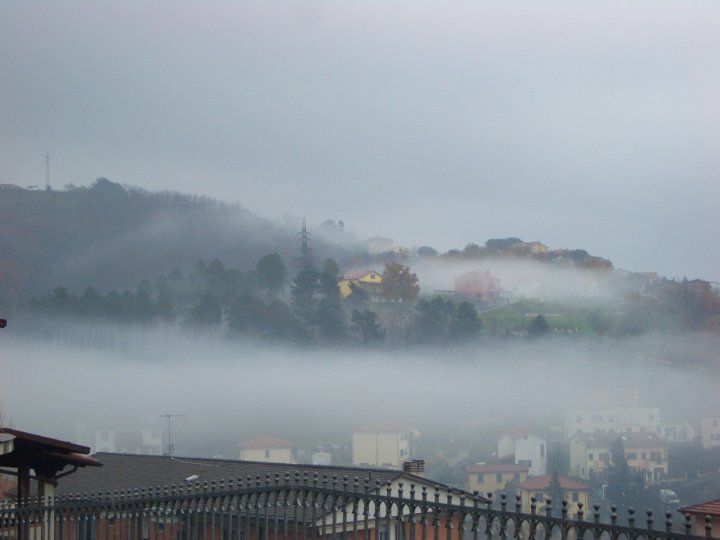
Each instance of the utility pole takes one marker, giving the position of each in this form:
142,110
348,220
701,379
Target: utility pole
171,446
47,171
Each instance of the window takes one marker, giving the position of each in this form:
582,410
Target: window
643,455
383,534
631,456
480,477
604,457
267,453
498,477
542,450
715,436
575,496
590,456
516,476
656,456
526,462
596,418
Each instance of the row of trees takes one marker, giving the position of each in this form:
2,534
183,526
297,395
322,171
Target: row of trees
263,304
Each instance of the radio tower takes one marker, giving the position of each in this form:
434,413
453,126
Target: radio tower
47,171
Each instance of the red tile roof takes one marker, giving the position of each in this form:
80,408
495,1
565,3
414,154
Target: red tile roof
496,468
540,483
266,442
357,274
709,508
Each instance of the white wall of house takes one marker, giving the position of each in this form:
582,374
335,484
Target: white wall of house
529,450
710,431
381,449
612,419
269,455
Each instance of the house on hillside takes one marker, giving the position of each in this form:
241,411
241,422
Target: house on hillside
494,477
612,420
267,449
646,452
478,286
368,281
710,430
574,492
523,448
537,247
386,444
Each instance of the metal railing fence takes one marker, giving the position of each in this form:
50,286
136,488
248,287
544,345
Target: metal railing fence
313,508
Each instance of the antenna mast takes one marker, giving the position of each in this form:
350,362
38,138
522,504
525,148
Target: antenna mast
171,446
47,171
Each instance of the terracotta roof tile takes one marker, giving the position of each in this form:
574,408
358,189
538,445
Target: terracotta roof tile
496,468
266,442
539,483
709,508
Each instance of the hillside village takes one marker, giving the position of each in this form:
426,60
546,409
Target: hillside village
617,448
610,449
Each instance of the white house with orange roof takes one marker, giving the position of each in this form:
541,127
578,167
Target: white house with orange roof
386,444
523,448
268,449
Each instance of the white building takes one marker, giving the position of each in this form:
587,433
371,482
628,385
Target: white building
267,449
524,448
710,430
612,420
382,445
128,440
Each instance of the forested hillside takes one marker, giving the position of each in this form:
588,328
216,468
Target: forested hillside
110,236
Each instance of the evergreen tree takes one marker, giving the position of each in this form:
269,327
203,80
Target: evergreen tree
625,488
432,321
271,273
556,491
538,327
208,311
329,315
303,291
366,326
465,323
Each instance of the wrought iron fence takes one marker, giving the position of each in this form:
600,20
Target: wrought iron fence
316,508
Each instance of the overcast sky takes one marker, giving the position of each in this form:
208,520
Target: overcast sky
580,124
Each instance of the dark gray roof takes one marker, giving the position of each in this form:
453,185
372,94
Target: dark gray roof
130,472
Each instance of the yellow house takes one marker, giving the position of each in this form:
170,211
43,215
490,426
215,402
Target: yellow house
267,449
574,492
646,451
382,445
367,280
494,477
537,247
